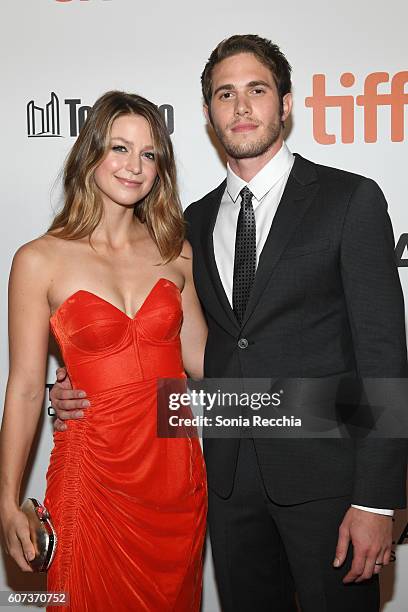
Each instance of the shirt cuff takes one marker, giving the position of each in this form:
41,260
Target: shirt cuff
384,511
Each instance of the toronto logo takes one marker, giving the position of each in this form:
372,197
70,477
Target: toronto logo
45,121
370,100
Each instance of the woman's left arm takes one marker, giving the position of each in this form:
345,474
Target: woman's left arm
194,328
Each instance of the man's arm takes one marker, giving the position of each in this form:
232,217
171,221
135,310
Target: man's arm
376,314
377,318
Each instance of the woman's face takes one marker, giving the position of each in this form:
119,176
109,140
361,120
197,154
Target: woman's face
127,173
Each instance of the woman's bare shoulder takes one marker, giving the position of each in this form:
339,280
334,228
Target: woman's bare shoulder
42,253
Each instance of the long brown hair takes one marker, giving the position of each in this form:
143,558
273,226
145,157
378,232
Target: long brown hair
82,210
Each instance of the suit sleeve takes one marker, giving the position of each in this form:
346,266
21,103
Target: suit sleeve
377,318
187,218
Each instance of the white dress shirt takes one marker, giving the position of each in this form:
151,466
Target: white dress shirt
267,188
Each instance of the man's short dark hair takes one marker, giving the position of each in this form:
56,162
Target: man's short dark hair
263,49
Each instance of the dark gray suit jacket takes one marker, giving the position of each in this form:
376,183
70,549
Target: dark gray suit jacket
326,299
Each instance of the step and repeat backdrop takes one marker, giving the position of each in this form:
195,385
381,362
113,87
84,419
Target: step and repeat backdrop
350,75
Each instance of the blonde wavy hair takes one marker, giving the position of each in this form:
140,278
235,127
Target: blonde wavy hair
82,210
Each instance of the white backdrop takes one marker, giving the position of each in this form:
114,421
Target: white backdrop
77,49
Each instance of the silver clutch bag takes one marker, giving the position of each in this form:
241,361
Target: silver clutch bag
42,534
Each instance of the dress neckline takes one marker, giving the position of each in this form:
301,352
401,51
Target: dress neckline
72,295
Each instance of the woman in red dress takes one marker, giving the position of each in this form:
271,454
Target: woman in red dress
113,278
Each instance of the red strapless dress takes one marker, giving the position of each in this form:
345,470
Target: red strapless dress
129,508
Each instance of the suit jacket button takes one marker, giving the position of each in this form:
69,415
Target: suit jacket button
243,343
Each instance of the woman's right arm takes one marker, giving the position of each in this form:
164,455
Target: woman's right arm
29,315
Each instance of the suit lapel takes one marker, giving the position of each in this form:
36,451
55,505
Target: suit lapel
223,311
300,190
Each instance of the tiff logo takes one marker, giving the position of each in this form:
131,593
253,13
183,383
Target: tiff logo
370,100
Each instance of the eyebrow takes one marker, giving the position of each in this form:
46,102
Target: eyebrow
230,87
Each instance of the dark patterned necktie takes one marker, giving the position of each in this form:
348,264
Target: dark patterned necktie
245,255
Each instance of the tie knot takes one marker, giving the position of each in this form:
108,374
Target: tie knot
246,195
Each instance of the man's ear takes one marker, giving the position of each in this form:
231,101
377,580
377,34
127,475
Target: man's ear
207,113
287,102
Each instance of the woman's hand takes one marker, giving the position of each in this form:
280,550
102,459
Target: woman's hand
16,535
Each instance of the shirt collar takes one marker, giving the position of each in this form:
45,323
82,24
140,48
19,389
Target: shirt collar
266,178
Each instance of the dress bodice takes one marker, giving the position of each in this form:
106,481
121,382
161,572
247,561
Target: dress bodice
103,347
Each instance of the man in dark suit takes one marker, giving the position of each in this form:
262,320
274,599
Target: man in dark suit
294,267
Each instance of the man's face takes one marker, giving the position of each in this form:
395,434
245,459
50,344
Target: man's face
245,110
